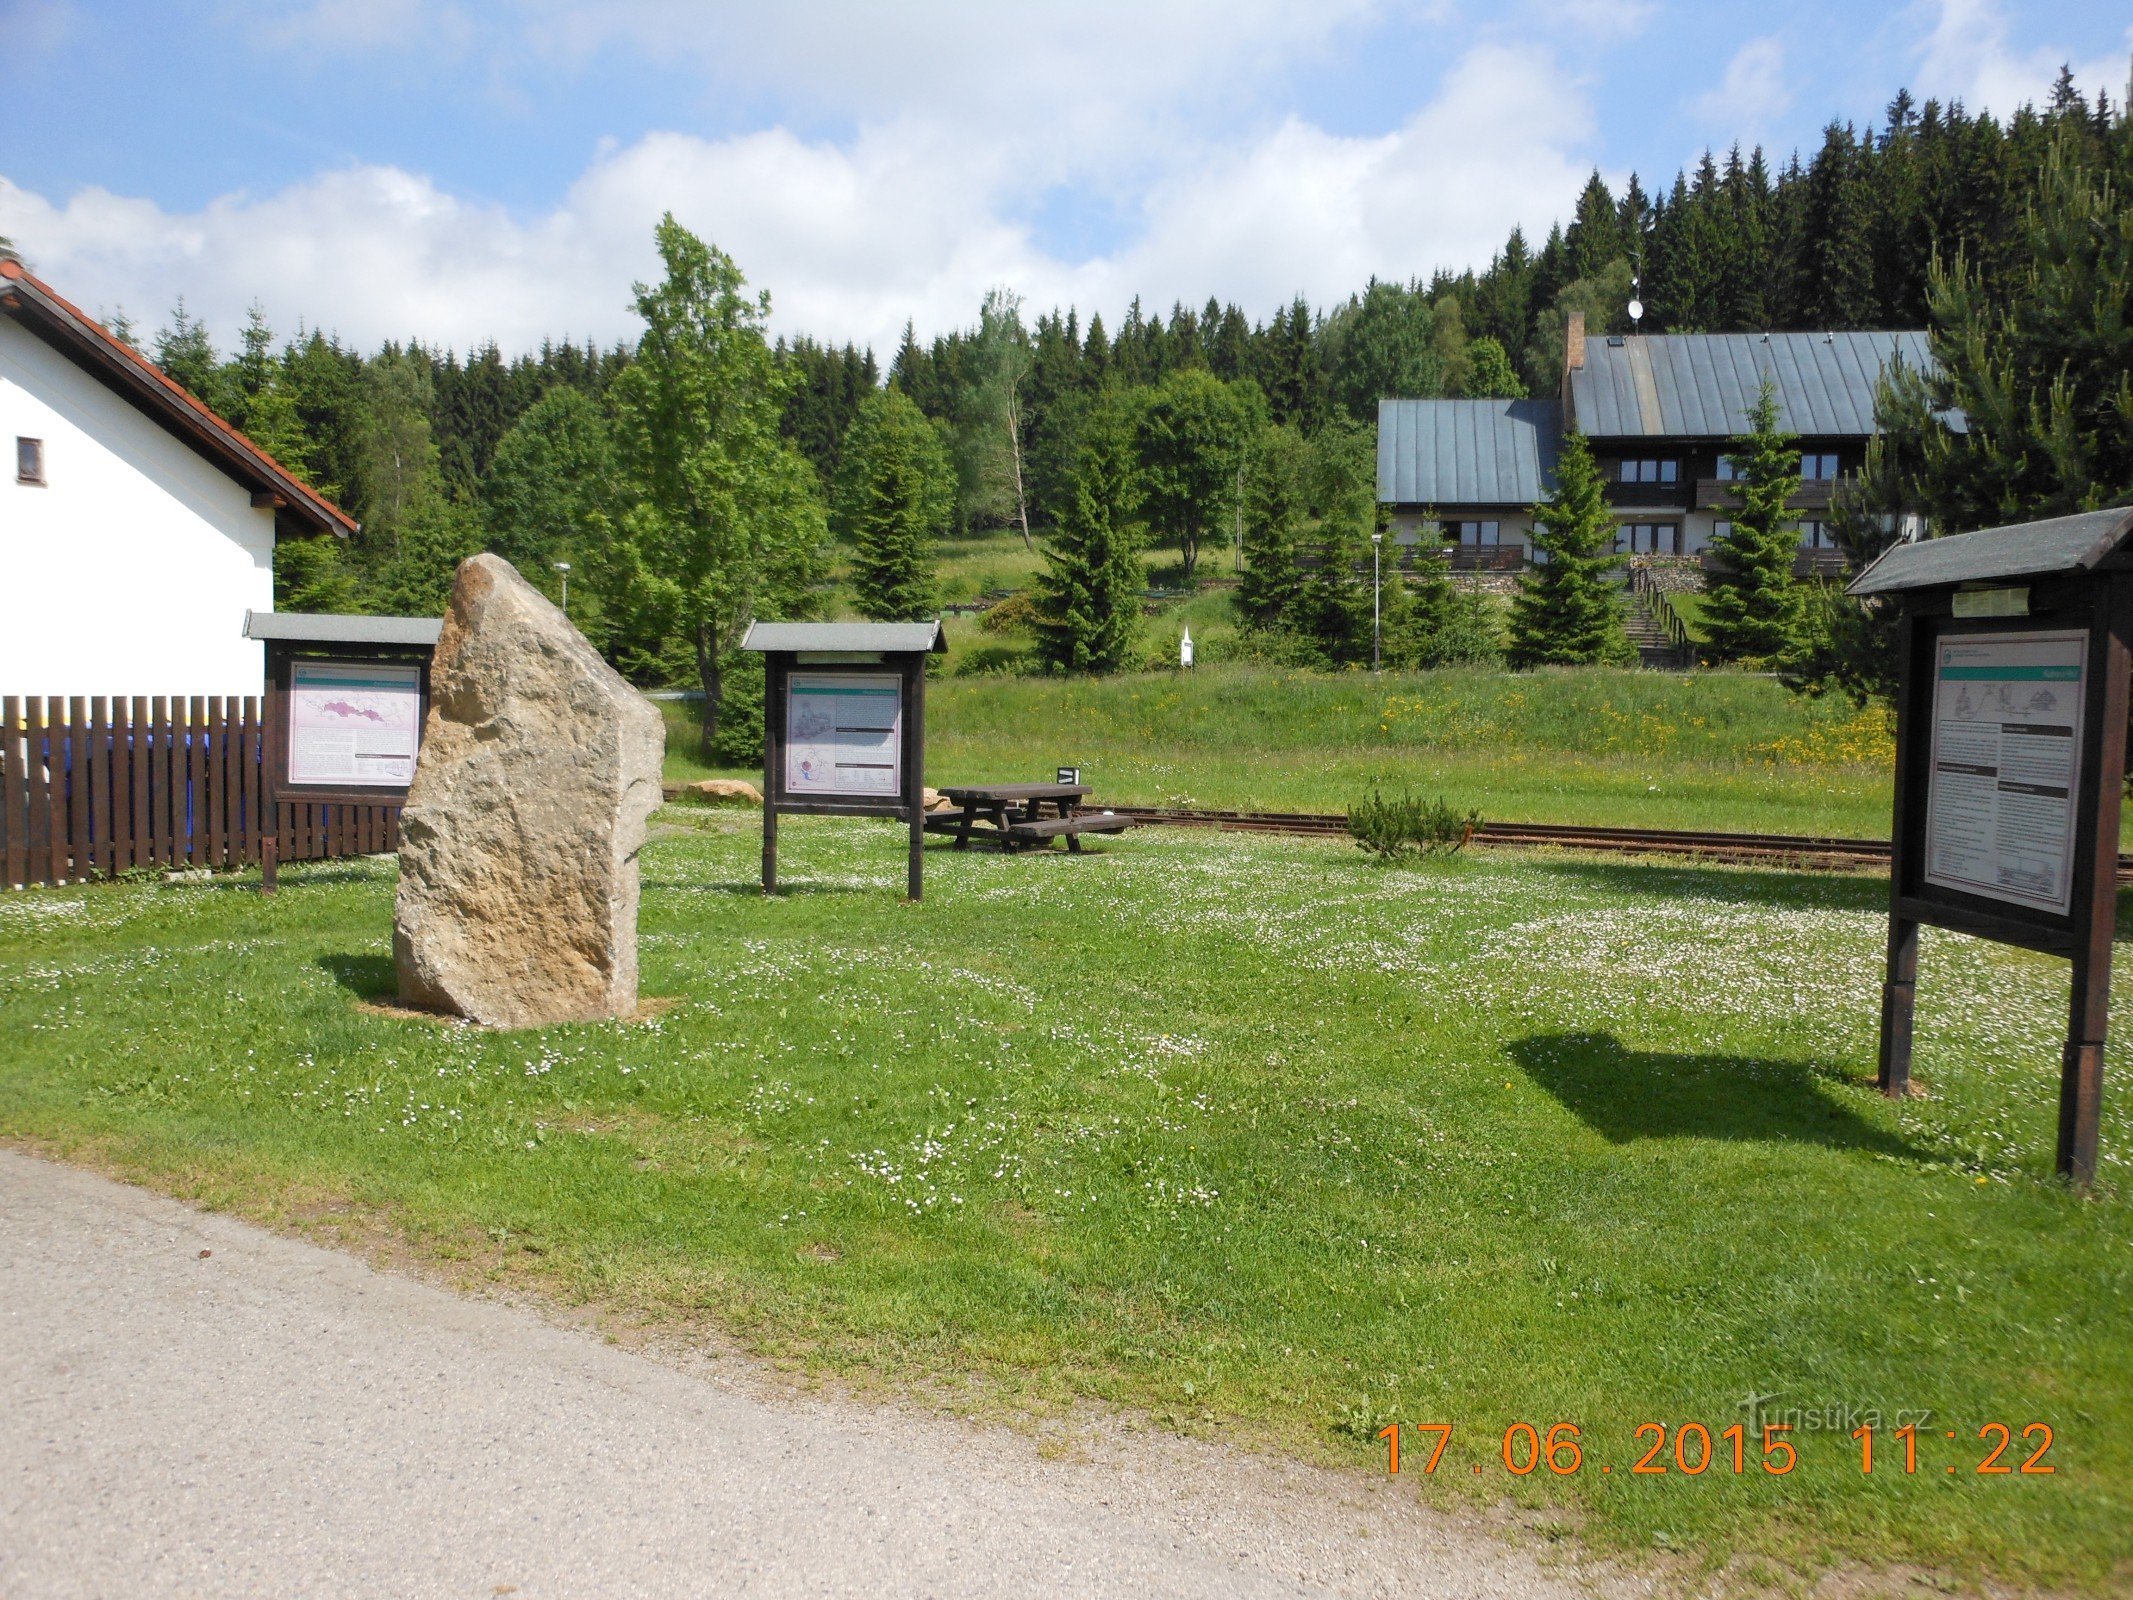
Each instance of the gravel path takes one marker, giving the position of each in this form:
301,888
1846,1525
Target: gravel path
190,1405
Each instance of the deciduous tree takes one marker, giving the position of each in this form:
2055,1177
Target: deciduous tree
722,522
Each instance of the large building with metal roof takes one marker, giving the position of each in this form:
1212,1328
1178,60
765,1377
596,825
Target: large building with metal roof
1659,411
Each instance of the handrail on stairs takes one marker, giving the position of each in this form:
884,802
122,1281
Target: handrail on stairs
1661,610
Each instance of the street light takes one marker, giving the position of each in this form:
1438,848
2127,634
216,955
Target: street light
564,568
1377,543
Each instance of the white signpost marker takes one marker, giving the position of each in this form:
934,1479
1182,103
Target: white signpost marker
354,724
2006,765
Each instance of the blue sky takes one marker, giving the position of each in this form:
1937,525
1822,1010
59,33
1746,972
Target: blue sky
453,171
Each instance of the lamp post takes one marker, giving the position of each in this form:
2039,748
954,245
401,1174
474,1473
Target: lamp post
1377,631
564,568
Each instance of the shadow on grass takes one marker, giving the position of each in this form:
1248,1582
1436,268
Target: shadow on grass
365,977
1844,891
1623,1095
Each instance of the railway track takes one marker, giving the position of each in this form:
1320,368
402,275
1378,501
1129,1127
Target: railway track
1806,851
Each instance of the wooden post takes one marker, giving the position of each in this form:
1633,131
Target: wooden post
271,754
1899,989
915,772
1899,997
773,723
2095,897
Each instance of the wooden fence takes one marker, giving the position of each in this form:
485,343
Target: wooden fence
93,787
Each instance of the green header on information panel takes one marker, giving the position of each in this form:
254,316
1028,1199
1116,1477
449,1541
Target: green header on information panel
2015,674
808,688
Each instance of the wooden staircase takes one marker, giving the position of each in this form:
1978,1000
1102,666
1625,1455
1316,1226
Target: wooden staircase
1655,628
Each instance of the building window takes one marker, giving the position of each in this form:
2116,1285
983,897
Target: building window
1648,471
1648,538
1818,468
29,461
1473,533
1817,536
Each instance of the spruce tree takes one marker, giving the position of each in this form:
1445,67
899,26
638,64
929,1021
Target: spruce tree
1752,609
1088,599
1274,511
1568,612
1332,607
895,498
1431,621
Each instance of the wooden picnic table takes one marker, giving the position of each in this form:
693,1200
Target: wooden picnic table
1014,814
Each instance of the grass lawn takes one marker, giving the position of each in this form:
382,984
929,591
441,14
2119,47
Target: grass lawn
1245,1135
1626,748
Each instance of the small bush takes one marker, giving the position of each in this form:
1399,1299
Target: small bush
1018,610
1393,830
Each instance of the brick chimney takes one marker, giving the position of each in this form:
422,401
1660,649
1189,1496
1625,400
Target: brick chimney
1574,342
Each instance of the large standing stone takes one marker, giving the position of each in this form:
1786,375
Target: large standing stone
518,845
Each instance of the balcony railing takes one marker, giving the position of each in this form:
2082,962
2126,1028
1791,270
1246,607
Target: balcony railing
1660,496
1485,557
1723,494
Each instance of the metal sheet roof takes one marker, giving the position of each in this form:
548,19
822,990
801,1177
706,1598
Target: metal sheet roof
1467,452
319,627
854,637
2058,546
1700,385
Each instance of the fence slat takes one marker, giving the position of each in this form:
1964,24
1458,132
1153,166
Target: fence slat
207,800
158,830
99,843
248,758
14,795
228,812
143,828
121,787
40,797
77,770
196,834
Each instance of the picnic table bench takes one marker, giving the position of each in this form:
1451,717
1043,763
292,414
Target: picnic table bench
1013,815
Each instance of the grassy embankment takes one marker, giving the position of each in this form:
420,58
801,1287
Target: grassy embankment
1631,749
1245,1136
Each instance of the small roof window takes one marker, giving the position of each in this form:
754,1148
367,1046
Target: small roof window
29,461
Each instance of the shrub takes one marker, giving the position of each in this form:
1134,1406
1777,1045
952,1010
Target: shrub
1018,610
1393,830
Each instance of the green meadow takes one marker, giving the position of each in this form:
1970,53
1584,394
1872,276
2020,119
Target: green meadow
1719,750
1236,1136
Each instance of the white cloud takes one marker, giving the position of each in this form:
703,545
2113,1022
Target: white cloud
1753,94
1966,55
906,218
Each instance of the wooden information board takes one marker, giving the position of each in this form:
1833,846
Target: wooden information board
2013,650
844,726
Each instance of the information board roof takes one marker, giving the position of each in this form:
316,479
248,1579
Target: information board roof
2056,547
855,638
319,627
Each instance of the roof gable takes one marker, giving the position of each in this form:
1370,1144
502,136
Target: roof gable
1700,385
90,345
1467,452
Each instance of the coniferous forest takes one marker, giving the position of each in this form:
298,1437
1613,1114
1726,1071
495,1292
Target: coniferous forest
2009,240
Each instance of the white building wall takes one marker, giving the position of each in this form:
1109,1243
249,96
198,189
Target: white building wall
130,571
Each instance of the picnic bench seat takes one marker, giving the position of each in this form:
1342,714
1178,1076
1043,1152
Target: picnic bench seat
1071,828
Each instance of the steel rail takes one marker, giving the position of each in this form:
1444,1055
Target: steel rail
1812,851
